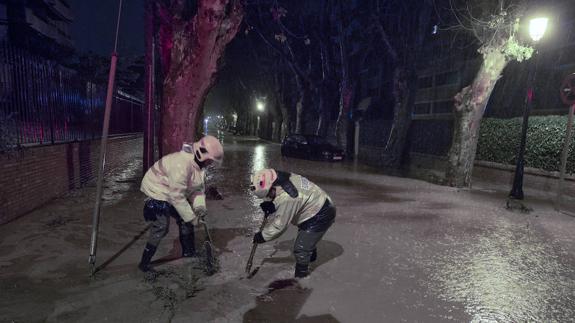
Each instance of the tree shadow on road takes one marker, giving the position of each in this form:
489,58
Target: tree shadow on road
282,303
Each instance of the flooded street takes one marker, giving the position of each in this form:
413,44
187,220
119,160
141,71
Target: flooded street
401,250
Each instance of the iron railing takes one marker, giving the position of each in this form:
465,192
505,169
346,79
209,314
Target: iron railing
42,102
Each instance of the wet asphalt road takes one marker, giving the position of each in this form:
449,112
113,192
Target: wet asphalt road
406,250
401,250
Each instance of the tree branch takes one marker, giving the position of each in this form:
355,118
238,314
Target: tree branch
385,38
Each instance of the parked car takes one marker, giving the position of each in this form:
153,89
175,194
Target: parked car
234,130
310,147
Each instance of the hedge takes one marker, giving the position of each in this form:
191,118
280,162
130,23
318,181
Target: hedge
499,142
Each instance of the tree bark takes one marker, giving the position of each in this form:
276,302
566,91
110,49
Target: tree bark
325,102
470,105
281,113
301,105
346,88
405,88
342,123
190,51
324,87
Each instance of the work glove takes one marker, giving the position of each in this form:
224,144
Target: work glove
268,207
200,216
259,238
197,221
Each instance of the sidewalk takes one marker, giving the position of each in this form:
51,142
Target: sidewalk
44,270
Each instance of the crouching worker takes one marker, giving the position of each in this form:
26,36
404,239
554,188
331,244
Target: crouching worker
292,198
171,185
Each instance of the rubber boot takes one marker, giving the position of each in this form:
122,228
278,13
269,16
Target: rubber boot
313,255
149,252
188,246
301,271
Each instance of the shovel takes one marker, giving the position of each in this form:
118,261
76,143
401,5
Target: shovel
210,260
253,252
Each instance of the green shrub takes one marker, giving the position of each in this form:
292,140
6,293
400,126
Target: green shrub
499,142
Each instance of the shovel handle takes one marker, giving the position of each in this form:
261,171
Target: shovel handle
250,260
254,246
207,232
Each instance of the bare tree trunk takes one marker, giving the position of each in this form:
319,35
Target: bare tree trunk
405,87
324,88
190,53
285,122
342,124
283,117
298,116
346,88
301,105
404,83
279,117
324,109
470,105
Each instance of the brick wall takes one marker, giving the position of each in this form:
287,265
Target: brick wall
35,175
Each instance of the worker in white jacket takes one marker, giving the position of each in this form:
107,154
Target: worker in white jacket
291,198
171,185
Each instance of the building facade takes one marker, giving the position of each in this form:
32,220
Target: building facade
41,26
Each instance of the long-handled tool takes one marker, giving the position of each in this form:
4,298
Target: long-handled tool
210,260
254,247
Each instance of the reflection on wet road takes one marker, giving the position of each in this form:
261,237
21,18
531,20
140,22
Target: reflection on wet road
509,274
416,251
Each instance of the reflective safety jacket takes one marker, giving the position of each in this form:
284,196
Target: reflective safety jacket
176,178
308,202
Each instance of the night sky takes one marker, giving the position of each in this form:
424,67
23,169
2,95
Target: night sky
95,22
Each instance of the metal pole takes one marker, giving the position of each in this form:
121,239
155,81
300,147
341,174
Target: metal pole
564,156
356,141
149,92
517,190
103,145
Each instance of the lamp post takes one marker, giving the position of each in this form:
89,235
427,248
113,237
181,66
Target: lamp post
537,27
260,108
568,97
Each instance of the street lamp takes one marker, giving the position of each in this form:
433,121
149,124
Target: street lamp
206,120
537,27
260,106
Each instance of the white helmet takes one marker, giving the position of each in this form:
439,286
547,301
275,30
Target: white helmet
262,182
206,149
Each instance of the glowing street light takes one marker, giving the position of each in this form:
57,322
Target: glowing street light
260,106
537,28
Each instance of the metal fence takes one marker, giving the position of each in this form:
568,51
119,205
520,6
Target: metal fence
42,102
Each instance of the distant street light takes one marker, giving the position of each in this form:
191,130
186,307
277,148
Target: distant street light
260,106
537,27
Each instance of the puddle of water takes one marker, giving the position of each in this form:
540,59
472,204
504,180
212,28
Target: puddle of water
510,275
